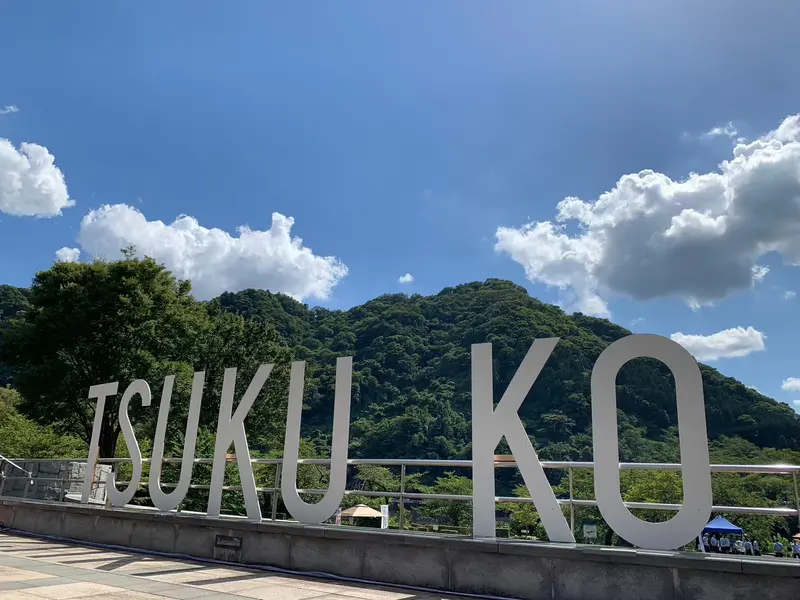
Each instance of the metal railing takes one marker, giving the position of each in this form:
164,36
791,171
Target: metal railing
403,495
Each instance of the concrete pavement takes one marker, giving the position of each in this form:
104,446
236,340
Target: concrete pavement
33,569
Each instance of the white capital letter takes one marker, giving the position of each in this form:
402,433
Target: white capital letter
163,501
101,392
116,497
697,500
230,429
300,510
488,428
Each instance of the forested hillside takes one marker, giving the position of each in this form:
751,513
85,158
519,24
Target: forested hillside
411,388
412,385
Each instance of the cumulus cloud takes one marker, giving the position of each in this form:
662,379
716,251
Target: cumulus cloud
68,254
792,384
797,402
789,294
407,278
30,183
650,236
728,130
8,109
212,259
729,343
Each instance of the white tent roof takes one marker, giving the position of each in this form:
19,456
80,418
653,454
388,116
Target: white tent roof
361,510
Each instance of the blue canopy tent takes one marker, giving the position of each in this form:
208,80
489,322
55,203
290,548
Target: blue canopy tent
721,525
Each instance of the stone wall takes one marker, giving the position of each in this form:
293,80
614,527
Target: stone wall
52,480
530,571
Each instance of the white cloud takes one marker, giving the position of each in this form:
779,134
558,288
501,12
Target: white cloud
9,109
212,259
792,384
728,130
30,183
698,239
68,254
729,343
789,294
797,402
759,272
407,278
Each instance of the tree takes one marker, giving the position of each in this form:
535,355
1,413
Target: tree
232,341
455,512
523,517
22,438
91,323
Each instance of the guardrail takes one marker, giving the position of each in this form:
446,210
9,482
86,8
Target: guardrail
402,495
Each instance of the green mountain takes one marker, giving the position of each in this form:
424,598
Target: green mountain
411,392
411,384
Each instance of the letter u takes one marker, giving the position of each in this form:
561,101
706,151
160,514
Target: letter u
300,510
162,501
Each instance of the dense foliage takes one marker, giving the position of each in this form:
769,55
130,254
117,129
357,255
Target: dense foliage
82,324
22,438
411,393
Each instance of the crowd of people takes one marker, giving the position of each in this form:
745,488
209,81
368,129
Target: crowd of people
725,544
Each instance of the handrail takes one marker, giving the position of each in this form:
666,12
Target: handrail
13,464
403,495
413,462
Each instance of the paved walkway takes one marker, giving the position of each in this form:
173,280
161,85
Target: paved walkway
32,569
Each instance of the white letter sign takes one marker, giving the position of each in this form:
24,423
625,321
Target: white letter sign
161,500
489,425
697,500
116,497
300,510
230,429
101,392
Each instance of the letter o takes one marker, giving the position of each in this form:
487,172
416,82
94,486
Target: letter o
697,498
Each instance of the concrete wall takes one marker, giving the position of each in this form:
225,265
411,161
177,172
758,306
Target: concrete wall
531,571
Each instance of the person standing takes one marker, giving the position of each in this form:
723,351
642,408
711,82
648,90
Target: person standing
796,549
748,547
756,547
778,548
714,543
706,547
725,544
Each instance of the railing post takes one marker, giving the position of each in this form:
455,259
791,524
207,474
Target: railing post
108,496
796,498
63,475
277,490
27,487
402,517
2,476
571,503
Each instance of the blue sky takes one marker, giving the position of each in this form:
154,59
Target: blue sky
401,136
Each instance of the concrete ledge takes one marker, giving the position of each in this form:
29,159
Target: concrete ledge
527,570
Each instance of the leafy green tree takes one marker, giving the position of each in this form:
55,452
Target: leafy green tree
454,512
232,341
523,517
91,323
22,438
